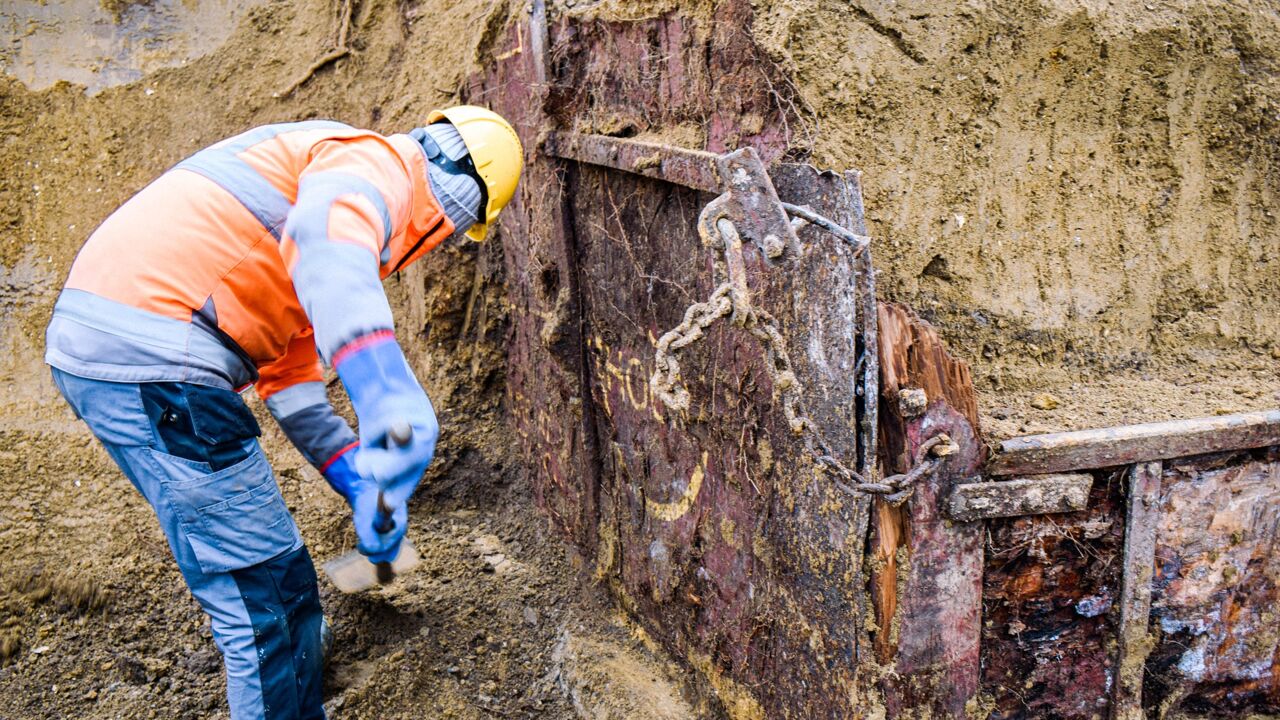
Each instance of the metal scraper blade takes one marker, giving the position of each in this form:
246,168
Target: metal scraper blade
353,572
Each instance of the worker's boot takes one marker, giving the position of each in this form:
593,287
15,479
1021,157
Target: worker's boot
326,639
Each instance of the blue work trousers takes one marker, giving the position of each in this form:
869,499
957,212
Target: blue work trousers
192,451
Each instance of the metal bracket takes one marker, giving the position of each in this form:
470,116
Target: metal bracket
1037,495
753,203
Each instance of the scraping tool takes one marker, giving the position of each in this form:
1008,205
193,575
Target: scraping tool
353,572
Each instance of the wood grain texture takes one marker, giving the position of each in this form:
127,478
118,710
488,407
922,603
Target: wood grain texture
927,570
1129,444
1141,518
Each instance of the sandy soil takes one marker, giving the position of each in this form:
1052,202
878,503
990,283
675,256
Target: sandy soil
1078,193
94,619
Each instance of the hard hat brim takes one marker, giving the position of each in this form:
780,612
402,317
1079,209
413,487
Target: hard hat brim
478,231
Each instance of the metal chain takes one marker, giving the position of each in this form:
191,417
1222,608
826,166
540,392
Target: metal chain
729,300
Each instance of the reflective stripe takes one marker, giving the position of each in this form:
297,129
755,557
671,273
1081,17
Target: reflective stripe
316,195
222,165
260,197
296,397
249,138
318,433
94,337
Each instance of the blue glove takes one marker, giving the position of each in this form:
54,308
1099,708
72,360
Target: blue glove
385,393
362,495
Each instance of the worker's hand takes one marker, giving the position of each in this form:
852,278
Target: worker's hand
385,395
362,496
365,515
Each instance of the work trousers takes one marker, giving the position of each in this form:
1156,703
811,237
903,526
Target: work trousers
192,451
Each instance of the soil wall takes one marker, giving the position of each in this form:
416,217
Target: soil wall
1087,185
1070,190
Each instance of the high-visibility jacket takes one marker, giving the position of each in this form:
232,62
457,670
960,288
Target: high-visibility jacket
255,258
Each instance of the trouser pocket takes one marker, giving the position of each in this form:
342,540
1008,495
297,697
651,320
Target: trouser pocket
199,423
233,517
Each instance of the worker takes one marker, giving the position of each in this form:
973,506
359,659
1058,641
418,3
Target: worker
250,263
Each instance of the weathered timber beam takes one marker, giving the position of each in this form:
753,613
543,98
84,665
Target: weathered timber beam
691,168
1129,444
1024,496
1135,605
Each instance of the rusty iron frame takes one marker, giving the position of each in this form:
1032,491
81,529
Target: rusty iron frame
690,168
1131,444
763,217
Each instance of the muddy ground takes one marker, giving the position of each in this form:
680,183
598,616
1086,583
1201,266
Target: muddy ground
94,619
1079,194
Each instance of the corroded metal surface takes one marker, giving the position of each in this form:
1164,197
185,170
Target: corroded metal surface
1035,495
695,169
1127,444
1141,516
729,542
1216,594
712,526
545,363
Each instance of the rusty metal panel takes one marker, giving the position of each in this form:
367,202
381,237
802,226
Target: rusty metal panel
1050,588
1216,594
656,74
729,543
545,371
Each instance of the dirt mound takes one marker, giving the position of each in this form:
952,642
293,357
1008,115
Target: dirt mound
1078,194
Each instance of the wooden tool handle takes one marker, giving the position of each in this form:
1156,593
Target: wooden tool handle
400,434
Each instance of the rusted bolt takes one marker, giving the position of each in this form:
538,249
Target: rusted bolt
944,447
912,402
773,246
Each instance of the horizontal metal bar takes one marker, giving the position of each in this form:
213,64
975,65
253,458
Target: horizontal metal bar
855,241
1129,444
1036,495
691,168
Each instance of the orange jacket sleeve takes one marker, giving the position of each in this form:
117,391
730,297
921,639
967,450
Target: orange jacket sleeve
299,364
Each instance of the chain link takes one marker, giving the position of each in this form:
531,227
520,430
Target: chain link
730,299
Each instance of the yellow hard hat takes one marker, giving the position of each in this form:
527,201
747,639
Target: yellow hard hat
496,152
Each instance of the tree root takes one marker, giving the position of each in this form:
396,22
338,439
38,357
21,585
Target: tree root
340,51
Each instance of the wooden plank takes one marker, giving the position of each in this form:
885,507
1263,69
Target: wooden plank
1135,599
1037,495
927,579
1129,444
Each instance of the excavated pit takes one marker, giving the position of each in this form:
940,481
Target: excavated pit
1079,196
